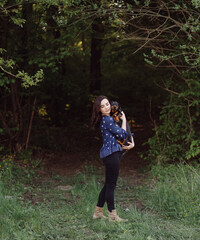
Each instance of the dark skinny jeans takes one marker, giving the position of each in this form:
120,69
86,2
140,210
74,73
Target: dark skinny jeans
112,165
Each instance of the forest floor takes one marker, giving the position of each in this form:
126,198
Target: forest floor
56,200
69,164
132,168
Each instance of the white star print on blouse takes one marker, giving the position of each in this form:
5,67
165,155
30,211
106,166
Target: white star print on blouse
110,133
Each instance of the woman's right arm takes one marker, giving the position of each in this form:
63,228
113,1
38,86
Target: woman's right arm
119,132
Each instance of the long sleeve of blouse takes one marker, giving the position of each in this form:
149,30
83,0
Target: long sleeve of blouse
111,132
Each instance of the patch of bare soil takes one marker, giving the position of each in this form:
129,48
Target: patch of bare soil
62,163
70,163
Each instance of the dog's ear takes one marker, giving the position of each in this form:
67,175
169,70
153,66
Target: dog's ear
114,103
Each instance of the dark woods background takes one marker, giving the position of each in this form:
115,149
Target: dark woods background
56,56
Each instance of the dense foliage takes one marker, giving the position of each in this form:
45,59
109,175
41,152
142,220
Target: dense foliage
84,48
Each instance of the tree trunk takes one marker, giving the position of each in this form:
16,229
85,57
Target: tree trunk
54,33
96,54
30,124
27,13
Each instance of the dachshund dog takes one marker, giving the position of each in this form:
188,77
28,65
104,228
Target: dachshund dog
116,113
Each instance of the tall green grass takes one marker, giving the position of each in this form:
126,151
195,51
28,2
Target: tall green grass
17,217
66,215
176,193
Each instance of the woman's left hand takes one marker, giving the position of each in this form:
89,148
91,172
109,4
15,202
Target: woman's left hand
130,145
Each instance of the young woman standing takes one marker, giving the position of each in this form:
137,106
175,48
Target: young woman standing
110,153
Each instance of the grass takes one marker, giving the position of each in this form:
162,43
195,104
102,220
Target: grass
176,193
35,208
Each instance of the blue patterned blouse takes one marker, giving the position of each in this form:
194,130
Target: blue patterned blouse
111,132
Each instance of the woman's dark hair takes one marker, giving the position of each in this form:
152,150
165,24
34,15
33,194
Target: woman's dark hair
96,114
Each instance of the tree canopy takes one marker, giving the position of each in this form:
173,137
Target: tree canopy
58,55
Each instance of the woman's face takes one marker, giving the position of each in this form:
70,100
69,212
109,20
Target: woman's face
105,107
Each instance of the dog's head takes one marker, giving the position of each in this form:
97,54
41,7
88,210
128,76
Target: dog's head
114,107
116,111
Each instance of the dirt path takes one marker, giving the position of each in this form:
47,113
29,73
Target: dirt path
70,163
131,170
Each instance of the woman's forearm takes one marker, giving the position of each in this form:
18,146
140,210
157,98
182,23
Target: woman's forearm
124,123
123,118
